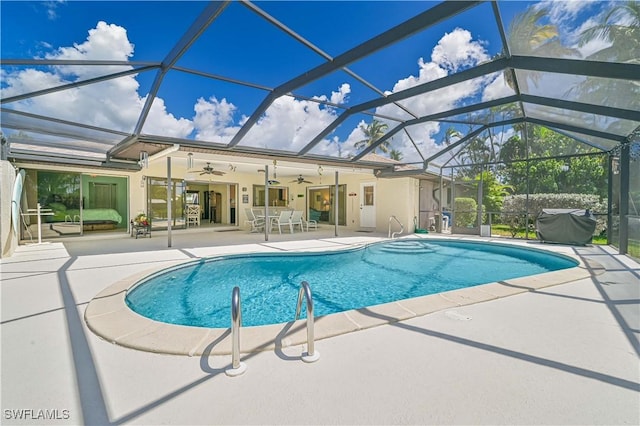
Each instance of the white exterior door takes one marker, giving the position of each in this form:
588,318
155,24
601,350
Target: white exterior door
368,205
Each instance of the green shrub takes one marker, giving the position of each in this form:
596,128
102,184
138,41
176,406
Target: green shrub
465,212
515,207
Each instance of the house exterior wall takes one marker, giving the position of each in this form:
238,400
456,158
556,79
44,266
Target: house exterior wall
8,238
395,196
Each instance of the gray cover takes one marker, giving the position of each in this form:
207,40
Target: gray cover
567,226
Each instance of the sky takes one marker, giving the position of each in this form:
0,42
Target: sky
243,46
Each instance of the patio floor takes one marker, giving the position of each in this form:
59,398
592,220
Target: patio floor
566,354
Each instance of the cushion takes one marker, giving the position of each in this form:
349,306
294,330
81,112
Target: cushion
314,214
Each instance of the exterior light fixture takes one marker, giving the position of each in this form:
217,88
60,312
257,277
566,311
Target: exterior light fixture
144,159
190,160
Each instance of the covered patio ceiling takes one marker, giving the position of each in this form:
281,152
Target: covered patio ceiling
529,72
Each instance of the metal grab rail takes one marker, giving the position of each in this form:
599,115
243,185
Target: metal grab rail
305,291
237,367
399,223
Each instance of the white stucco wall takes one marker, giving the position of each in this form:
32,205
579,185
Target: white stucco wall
8,238
397,196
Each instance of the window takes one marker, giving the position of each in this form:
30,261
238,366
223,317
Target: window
278,196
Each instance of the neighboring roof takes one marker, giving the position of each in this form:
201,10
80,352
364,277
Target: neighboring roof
521,62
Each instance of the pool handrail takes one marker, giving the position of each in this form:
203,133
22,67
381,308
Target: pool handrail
237,367
392,217
305,291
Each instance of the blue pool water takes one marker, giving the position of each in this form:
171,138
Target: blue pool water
199,293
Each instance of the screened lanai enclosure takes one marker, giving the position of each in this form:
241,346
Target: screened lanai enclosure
509,107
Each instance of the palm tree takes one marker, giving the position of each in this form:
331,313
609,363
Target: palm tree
623,47
394,154
624,39
451,133
526,36
374,131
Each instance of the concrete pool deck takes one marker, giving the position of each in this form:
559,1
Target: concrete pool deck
565,354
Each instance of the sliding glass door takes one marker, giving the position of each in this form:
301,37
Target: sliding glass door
157,202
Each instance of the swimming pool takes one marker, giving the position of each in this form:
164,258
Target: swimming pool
198,293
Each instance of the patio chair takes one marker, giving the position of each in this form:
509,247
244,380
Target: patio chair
296,219
257,224
193,215
284,218
310,222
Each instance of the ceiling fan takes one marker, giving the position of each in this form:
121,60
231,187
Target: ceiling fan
301,179
208,170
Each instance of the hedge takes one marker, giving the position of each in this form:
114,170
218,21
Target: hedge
515,207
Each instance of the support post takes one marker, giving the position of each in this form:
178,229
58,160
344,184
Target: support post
169,201
624,197
39,224
267,220
610,200
335,205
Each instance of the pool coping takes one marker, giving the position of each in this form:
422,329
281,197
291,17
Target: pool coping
108,316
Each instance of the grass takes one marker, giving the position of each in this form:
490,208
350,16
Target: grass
505,231
634,248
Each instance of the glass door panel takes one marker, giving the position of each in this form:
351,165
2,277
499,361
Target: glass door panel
157,203
59,194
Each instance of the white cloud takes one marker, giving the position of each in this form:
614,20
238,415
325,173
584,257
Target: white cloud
51,9
565,10
214,120
422,136
337,148
598,43
497,89
566,16
457,50
116,104
105,42
113,104
289,124
161,122
454,51
340,96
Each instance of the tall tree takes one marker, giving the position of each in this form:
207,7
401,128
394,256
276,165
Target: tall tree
451,133
578,174
394,154
527,35
372,132
493,190
619,28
